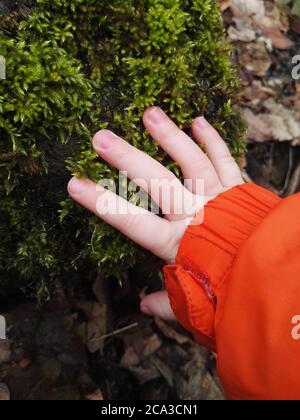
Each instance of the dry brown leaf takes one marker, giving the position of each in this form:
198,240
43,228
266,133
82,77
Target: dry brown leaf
145,374
243,34
224,4
25,363
256,59
275,17
170,332
295,24
95,396
253,9
141,350
165,370
152,344
5,352
197,383
4,392
100,289
278,123
258,129
279,40
92,331
130,358
284,125
256,92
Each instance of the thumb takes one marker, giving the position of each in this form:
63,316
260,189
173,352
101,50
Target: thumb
158,304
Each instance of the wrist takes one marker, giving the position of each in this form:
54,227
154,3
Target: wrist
207,253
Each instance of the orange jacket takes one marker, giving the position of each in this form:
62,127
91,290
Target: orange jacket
236,286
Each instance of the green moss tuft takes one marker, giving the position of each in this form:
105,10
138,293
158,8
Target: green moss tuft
74,67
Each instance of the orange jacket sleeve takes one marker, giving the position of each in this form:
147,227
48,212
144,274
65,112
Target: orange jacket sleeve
236,286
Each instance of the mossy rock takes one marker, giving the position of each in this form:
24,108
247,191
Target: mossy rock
74,67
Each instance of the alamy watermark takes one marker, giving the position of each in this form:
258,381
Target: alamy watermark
296,327
296,68
2,328
141,196
2,67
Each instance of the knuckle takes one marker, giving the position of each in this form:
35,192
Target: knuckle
196,164
132,223
227,160
174,135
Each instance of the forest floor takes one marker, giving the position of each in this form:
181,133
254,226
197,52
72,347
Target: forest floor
98,345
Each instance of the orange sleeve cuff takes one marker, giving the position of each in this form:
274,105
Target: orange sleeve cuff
207,253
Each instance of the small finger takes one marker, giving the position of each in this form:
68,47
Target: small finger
194,164
226,167
158,304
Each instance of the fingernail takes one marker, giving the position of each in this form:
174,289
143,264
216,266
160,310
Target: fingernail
104,140
201,122
76,186
155,115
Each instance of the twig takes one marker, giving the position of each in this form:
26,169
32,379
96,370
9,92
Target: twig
116,332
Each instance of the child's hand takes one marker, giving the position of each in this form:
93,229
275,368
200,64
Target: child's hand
217,169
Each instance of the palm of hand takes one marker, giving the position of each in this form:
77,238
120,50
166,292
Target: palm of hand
215,171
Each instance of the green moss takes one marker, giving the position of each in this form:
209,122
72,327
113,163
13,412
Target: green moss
74,67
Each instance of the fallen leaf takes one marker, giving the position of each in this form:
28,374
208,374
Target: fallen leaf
275,17
130,358
170,332
224,4
151,345
295,24
164,369
95,396
256,92
141,349
145,374
5,352
244,34
25,363
258,129
256,59
278,123
4,392
100,289
193,381
92,331
254,9
279,40
284,125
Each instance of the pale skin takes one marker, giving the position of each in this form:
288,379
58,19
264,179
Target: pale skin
161,236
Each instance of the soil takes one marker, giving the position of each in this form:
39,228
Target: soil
49,356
